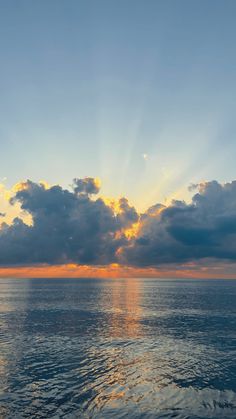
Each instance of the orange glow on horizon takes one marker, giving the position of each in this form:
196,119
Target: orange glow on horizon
113,271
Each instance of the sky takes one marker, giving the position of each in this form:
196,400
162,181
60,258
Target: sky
139,94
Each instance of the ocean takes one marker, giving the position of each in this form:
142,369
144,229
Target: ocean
117,348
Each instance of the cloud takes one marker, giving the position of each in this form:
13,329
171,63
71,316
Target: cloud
67,226
88,185
75,226
179,233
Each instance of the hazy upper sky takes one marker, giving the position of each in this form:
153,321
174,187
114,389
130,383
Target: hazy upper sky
138,93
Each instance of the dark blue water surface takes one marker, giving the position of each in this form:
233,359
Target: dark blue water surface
127,348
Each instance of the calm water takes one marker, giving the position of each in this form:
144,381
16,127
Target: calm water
117,348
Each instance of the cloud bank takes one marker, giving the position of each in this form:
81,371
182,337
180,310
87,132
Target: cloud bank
67,226
205,228
77,226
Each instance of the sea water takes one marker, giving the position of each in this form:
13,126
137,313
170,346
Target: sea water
117,348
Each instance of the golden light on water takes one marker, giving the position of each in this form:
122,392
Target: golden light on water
126,303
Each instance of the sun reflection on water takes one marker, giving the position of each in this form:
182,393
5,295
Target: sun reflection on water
126,309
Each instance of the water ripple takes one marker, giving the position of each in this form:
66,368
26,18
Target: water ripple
117,349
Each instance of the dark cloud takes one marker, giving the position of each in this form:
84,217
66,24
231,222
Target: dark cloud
205,228
74,227
86,185
127,215
67,226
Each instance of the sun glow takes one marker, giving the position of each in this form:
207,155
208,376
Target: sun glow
12,210
114,204
20,186
132,231
45,184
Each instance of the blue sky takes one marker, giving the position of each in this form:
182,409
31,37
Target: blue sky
138,93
